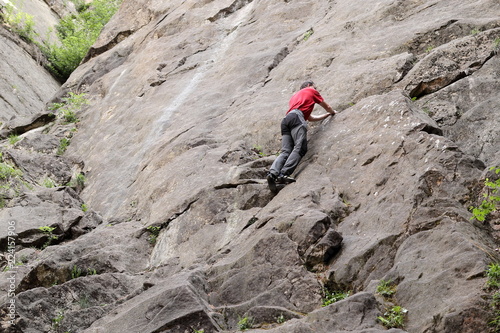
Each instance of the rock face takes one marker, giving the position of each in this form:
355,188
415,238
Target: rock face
25,85
174,229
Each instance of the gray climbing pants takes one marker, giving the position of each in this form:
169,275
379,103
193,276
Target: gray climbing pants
294,144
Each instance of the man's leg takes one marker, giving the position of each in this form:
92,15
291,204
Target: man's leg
299,137
286,149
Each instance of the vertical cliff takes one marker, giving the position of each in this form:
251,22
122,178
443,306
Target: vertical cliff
174,229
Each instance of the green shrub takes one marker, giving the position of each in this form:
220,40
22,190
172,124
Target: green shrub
46,229
491,200
56,321
245,323
76,272
76,33
63,145
394,317
8,172
280,319
48,183
258,150
13,138
496,44
386,288
69,106
308,34
49,232
154,232
334,296
80,180
495,307
493,275
493,284
19,23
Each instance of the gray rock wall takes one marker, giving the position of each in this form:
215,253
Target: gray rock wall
182,233
25,86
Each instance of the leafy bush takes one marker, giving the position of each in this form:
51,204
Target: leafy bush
48,183
13,139
245,323
56,321
76,272
63,145
280,319
69,106
334,296
495,307
76,33
491,200
20,23
8,172
493,274
394,317
154,233
493,283
386,288
496,45
50,235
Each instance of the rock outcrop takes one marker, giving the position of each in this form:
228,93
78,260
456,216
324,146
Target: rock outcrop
174,229
25,85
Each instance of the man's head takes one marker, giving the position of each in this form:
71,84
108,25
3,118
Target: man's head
307,84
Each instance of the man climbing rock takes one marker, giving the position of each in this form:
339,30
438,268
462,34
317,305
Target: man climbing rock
294,133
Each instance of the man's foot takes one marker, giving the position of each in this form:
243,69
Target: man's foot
282,179
271,182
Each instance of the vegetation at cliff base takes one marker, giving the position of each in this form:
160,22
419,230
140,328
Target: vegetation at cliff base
10,180
334,296
49,232
245,323
394,315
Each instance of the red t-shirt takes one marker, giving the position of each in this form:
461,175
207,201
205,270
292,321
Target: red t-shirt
304,100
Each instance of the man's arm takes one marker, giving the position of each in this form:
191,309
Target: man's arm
327,108
318,118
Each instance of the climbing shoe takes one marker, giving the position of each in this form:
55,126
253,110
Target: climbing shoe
282,179
271,182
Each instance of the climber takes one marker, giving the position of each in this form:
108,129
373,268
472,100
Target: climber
294,133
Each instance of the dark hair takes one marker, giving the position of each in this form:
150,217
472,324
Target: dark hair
307,84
